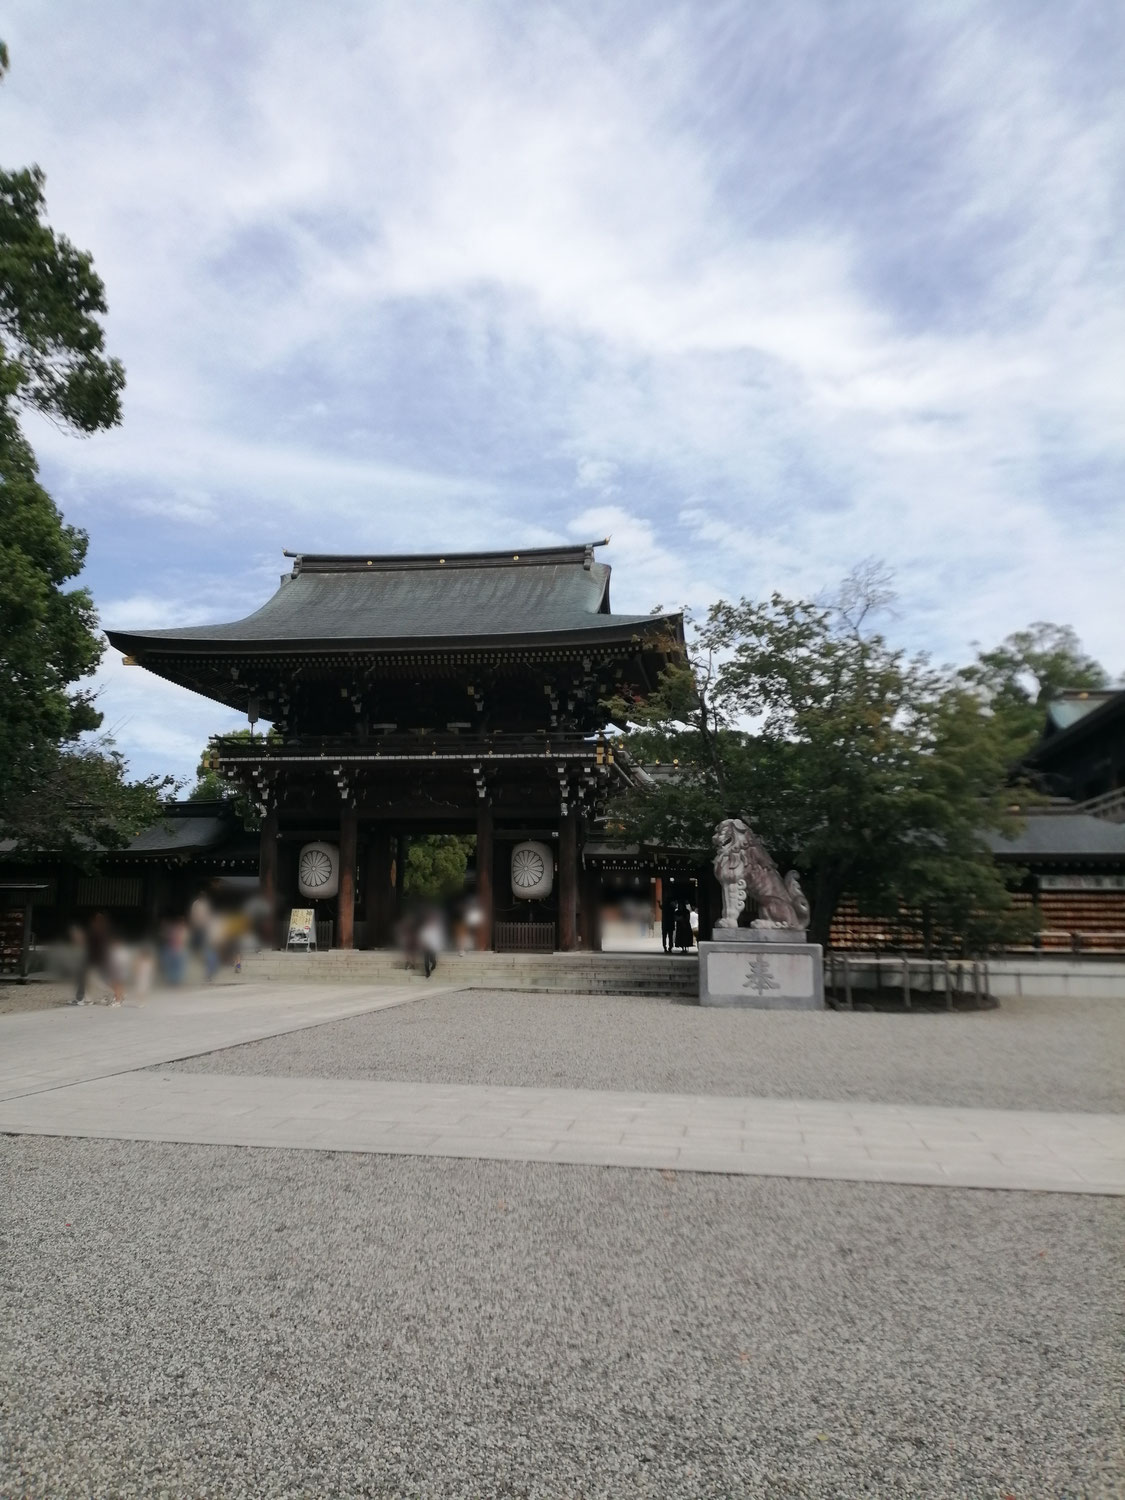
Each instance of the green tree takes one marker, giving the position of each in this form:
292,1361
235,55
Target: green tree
83,802
52,345
52,361
436,865
1019,677
873,773
47,632
211,786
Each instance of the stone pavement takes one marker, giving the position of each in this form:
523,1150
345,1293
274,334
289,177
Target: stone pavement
75,1073
48,1049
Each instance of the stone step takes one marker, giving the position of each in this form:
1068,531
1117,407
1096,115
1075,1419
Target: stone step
562,973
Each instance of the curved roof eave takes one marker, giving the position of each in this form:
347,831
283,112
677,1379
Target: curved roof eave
602,630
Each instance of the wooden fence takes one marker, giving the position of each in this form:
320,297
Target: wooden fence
524,937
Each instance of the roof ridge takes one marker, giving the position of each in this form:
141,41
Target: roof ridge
358,562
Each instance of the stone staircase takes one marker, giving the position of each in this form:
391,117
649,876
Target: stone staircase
552,973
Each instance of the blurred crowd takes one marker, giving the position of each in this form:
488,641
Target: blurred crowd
193,945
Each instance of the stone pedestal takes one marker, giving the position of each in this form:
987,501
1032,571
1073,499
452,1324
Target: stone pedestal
767,969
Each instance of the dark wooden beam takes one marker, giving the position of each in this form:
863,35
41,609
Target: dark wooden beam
568,879
485,856
345,900
267,871
381,893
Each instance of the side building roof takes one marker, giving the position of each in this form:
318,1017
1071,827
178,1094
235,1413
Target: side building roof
1062,836
359,601
1073,719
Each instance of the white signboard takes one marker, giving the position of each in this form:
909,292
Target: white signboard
1082,882
302,928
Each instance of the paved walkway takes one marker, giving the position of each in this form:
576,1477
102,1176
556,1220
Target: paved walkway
74,1073
1072,1153
49,1048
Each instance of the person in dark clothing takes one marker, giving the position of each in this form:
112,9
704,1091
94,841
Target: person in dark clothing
99,959
667,925
684,937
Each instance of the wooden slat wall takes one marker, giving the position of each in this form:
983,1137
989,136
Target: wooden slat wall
1101,914
110,890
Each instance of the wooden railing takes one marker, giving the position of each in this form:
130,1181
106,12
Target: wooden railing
1110,806
524,937
913,981
1053,941
398,746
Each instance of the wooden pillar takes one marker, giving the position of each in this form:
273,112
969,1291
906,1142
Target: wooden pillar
345,899
485,856
381,895
590,913
153,882
400,850
710,902
568,880
267,873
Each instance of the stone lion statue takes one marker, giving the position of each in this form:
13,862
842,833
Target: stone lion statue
744,869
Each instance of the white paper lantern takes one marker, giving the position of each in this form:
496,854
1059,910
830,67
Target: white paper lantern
318,871
533,870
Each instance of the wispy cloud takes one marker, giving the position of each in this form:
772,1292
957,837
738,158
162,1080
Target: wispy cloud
758,291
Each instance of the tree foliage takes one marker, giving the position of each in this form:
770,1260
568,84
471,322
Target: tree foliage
1020,676
210,786
436,865
52,344
83,802
47,631
55,792
873,773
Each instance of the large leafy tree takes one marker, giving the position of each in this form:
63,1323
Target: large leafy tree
53,793
52,345
436,865
871,772
1020,676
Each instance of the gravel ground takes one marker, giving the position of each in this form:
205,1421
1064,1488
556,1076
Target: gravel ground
201,1322
1029,1054
36,994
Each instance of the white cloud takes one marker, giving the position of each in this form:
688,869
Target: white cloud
161,728
758,293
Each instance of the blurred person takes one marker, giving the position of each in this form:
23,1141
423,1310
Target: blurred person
472,923
431,940
144,967
173,949
259,922
200,922
80,945
117,968
218,947
103,957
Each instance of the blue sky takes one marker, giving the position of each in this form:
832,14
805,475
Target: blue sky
758,290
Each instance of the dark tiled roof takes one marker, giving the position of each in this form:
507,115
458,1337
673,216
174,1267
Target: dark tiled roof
1062,836
1066,710
406,601
182,836
1071,720
185,828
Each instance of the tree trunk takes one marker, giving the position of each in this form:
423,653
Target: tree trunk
828,887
